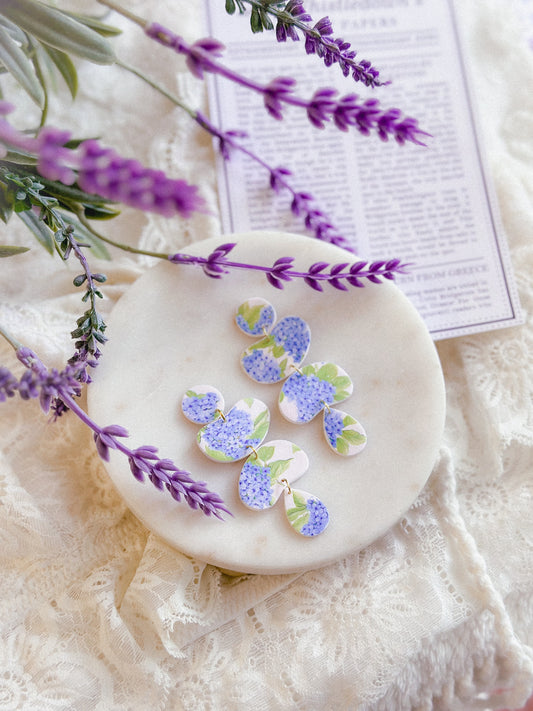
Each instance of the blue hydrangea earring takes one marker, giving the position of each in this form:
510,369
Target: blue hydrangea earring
280,349
315,388
270,472
225,437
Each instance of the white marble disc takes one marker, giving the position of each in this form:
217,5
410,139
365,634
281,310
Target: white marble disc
176,327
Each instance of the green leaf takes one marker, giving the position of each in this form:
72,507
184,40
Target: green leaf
279,467
348,420
341,395
266,342
20,67
65,66
230,7
265,453
215,454
261,417
250,314
353,437
255,20
265,19
6,203
18,157
328,372
260,432
342,446
278,351
10,251
310,369
99,212
39,230
15,32
58,30
102,28
341,382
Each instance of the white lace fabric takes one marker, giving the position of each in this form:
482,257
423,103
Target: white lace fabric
98,614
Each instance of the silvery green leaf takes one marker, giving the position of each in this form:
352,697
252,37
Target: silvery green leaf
65,66
15,32
9,250
20,67
58,30
39,230
95,24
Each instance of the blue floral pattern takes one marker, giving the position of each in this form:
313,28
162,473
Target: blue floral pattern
232,437
202,404
294,335
255,488
273,357
318,518
306,513
268,472
261,367
344,434
306,393
333,426
255,317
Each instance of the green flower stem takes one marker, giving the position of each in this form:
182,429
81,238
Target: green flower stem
125,13
10,339
119,245
155,85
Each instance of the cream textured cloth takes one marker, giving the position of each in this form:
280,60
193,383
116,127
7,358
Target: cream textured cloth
98,614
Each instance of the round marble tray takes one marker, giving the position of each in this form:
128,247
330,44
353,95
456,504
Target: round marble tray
174,328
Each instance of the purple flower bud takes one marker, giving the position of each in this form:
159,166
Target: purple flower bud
115,431
8,383
55,161
323,26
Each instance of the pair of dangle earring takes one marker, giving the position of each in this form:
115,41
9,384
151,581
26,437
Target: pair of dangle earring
270,469
308,390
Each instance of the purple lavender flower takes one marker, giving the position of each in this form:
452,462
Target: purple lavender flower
202,57
48,385
8,384
103,172
57,390
337,275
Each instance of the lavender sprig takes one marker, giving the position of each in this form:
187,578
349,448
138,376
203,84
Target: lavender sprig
90,326
318,38
56,391
302,203
101,171
339,276
365,115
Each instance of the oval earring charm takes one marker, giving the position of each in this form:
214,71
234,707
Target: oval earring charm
202,404
344,434
255,316
306,513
